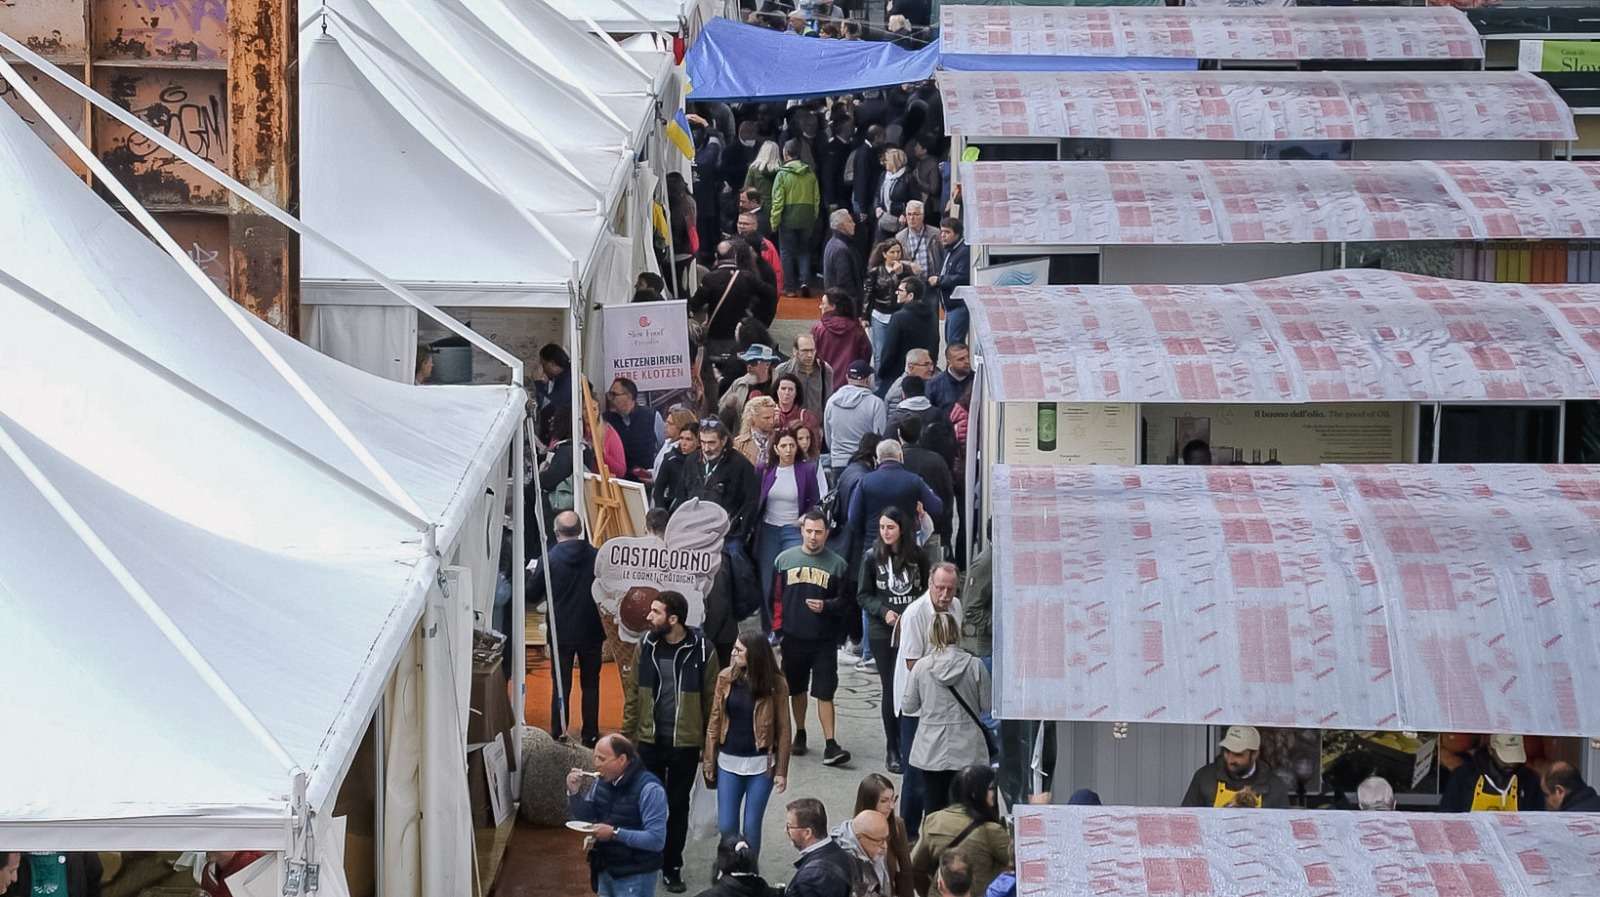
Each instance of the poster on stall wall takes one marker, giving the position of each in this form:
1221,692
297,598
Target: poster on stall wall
648,343
1026,273
630,571
1350,433
1558,56
1062,433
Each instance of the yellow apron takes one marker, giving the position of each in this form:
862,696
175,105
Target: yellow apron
1489,800
1225,795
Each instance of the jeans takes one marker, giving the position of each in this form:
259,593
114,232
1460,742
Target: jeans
880,335
770,542
987,718
677,768
936,789
641,885
753,792
885,655
588,658
955,323
794,248
866,643
911,788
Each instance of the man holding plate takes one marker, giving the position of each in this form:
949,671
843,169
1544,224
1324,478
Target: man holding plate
628,809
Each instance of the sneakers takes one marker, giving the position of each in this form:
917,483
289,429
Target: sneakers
852,649
866,665
674,882
798,749
833,755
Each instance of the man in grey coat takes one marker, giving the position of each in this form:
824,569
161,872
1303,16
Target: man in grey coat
815,376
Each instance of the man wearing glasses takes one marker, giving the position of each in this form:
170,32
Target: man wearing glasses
866,839
824,869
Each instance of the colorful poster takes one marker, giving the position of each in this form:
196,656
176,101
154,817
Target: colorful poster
1067,433
1558,56
1352,433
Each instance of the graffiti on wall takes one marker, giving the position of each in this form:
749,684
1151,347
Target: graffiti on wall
188,108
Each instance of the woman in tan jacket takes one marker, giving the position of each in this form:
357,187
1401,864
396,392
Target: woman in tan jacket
747,740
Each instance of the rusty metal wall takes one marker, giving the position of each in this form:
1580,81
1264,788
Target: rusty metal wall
216,76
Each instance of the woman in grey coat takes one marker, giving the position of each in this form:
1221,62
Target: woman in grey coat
948,738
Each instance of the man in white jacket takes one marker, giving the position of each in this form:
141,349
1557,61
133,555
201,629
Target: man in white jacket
912,637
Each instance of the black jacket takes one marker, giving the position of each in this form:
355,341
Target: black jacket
869,168
841,267
936,473
1457,797
1584,800
955,272
571,578
739,886
1203,785
914,326
667,490
824,872
749,293
732,484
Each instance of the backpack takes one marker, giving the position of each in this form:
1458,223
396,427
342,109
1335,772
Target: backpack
744,582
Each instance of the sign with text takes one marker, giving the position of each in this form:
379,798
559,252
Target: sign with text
630,571
1558,56
648,343
1321,433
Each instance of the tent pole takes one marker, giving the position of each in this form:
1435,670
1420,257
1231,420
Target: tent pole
380,744
519,582
575,380
552,639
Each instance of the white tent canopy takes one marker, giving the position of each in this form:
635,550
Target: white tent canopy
1261,201
1422,597
1255,106
496,141
1397,34
639,16
1330,336
209,579
1094,851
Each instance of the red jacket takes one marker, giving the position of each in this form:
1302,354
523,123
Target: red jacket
769,254
840,341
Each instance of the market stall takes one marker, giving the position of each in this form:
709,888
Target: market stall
1090,851
1012,116
1014,38
497,173
1273,377
680,18
1222,221
252,538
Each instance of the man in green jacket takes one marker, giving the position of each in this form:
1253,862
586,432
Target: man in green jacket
668,702
796,204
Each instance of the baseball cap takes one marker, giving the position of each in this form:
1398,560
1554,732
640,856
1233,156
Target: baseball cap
1508,748
1240,739
860,370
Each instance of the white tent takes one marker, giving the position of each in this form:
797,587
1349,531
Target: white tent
228,540
686,17
482,153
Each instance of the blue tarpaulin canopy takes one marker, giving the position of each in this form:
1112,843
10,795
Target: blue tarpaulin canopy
734,61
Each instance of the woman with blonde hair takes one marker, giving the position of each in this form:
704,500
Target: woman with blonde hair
756,425
896,187
760,175
947,692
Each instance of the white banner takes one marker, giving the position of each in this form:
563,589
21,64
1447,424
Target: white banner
648,343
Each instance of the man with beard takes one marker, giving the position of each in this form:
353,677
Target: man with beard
1237,778
749,226
668,703
1494,779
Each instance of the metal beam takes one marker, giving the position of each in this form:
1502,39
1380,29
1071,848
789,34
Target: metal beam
263,103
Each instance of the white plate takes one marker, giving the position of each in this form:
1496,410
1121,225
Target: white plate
579,825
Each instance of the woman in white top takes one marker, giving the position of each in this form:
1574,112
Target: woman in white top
790,486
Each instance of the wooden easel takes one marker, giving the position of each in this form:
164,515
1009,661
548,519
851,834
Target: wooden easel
608,518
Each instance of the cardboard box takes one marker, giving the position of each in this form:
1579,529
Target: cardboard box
490,712
490,774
